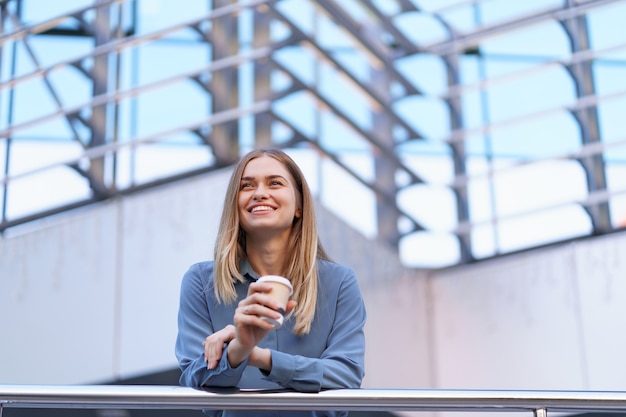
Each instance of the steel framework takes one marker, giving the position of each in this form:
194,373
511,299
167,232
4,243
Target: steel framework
103,147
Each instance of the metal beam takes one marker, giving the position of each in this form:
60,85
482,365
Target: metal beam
100,76
261,21
471,40
225,83
582,74
378,52
459,157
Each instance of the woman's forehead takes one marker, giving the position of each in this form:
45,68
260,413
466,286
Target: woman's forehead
264,166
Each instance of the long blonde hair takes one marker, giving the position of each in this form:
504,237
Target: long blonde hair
305,247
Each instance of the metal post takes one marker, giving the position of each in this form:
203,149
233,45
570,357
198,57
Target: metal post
100,76
382,129
458,156
587,118
7,159
487,139
262,77
225,85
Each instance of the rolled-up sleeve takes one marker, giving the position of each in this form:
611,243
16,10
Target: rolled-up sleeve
341,365
194,325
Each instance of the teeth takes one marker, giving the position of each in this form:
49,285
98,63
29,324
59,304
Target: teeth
261,208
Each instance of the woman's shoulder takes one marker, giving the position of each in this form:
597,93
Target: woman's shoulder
332,270
202,271
202,266
198,279
338,280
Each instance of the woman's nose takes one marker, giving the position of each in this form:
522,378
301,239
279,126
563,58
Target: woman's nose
260,193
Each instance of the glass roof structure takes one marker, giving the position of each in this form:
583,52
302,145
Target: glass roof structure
453,130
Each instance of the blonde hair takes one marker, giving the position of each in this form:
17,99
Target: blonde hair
305,247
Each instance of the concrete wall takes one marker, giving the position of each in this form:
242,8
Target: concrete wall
92,296
547,319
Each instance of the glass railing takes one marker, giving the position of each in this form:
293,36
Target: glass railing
175,397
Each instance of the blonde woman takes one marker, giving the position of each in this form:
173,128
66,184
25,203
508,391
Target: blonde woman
268,227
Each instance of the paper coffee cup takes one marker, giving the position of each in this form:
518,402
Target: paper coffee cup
281,291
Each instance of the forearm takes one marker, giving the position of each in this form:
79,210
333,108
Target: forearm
236,353
261,358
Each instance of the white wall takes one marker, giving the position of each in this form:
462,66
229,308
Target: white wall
547,319
92,295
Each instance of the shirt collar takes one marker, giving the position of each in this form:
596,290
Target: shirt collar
246,270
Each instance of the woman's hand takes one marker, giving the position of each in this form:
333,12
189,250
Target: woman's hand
250,328
214,345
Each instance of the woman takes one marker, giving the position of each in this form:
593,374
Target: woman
268,228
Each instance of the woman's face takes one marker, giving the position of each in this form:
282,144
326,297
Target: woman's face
267,198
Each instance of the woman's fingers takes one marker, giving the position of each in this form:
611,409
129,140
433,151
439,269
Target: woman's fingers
250,315
260,303
250,327
258,294
290,306
214,345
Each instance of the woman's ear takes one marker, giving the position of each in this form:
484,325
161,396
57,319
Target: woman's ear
298,213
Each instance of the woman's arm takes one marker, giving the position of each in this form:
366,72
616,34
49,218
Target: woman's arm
194,325
341,364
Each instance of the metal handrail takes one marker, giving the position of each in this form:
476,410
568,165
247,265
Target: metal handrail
175,397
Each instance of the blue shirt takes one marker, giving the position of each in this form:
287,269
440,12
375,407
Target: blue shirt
330,356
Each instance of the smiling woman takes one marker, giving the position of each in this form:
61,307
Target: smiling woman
225,335
268,201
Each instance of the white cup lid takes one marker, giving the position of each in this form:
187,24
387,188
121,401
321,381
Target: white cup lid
277,278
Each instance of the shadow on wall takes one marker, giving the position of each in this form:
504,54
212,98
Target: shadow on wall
161,378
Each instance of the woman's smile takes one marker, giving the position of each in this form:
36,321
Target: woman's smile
257,209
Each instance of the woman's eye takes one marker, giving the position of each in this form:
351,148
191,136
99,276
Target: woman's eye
245,185
276,182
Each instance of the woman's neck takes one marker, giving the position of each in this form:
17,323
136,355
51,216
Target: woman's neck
267,257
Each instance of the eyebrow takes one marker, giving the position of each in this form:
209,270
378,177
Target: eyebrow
269,177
